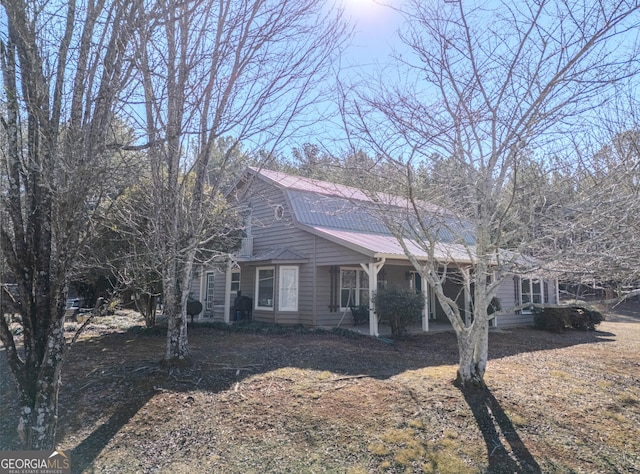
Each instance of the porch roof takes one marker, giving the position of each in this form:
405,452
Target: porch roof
275,255
387,246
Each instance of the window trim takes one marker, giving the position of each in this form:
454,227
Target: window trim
281,288
544,294
237,282
360,275
257,288
209,289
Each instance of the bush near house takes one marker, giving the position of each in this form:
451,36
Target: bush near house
494,306
558,319
399,307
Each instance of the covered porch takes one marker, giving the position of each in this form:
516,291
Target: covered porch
356,286
384,330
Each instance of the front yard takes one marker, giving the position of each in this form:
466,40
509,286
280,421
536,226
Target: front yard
321,402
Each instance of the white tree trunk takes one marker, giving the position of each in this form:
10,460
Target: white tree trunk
177,288
38,420
177,351
473,344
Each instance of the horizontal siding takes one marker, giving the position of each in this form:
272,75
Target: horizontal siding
330,253
194,289
287,318
333,319
264,316
270,231
506,293
511,320
323,292
267,230
508,297
397,276
314,279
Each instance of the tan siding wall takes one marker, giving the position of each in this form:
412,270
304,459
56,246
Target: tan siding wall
506,293
510,320
397,276
197,291
194,290
329,253
263,316
269,233
313,290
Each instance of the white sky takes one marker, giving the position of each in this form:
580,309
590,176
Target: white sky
374,38
375,26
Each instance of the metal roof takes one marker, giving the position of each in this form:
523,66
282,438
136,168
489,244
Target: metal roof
340,213
387,246
300,183
352,217
334,212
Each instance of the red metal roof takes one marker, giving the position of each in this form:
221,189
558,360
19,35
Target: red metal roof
340,226
387,246
300,183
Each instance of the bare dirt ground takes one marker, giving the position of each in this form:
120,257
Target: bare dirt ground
318,402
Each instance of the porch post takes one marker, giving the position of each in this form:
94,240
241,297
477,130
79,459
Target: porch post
227,293
372,270
425,312
556,283
373,283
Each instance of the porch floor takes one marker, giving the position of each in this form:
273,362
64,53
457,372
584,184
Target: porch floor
385,329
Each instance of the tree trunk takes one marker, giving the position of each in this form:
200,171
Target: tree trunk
39,413
177,352
150,311
473,345
177,343
146,304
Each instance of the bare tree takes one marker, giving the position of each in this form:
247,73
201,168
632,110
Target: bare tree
488,87
212,69
596,229
63,68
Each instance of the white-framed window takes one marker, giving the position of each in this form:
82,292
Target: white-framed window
235,281
531,290
288,288
354,287
265,280
209,288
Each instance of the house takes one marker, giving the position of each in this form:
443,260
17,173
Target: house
312,249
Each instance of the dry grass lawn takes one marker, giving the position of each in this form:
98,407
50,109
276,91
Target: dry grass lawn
315,403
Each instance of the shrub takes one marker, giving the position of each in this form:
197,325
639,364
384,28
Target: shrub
399,307
585,318
494,306
551,319
558,319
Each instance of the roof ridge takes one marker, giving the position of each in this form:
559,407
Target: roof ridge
302,183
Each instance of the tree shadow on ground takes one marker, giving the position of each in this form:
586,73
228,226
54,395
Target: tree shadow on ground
109,378
83,455
506,452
